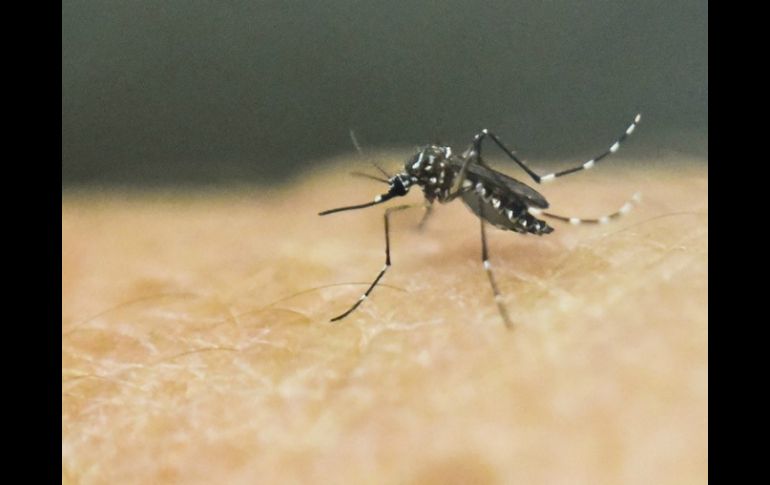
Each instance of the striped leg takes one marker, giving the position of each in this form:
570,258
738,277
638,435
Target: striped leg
387,260
547,178
488,269
625,209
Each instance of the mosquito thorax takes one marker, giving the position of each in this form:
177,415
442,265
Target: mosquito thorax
431,169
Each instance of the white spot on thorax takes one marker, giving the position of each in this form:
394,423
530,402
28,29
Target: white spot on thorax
417,164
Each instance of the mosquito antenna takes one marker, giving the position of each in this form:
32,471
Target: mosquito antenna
355,142
366,175
361,152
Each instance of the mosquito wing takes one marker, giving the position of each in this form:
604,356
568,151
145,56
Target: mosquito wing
530,196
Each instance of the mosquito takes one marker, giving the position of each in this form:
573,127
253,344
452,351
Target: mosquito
494,197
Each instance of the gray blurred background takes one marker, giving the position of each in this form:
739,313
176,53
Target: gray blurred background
187,92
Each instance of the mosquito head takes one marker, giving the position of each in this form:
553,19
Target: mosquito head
399,185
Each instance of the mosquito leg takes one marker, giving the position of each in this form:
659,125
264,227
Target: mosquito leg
470,157
548,177
388,211
625,209
426,216
473,154
488,269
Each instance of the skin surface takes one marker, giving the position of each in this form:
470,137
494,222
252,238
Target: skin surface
196,346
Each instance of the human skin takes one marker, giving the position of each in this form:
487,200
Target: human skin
197,347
